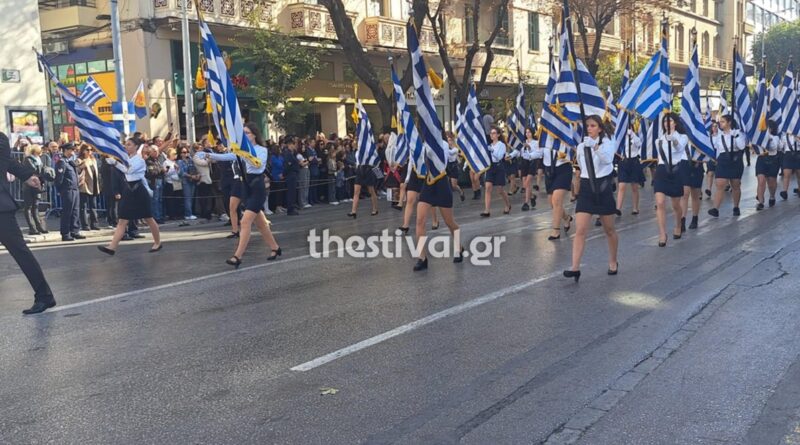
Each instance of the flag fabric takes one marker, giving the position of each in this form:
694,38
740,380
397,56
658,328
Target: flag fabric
94,131
412,147
761,114
776,91
92,92
622,118
516,123
471,138
552,127
224,103
531,118
118,117
789,107
566,92
626,77
707,116
649,93
691,116
741,98
430,128
611,105
366,154
139,101
724,108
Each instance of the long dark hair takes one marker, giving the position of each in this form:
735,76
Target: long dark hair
599,121
256,132
731,122
674,118
500,137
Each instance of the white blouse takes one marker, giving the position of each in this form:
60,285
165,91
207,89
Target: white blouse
261,152
532,150
676,143
727,142
602,156
633,145
774,144
136,168
498,151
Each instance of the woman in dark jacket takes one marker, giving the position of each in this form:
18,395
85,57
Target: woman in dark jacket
30,195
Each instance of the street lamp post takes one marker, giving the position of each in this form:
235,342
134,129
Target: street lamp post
188,94
120,76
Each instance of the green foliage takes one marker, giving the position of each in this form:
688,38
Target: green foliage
292,117
610,70
280,64
780,44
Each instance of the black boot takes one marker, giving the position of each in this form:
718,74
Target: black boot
476,194
693,224
683,225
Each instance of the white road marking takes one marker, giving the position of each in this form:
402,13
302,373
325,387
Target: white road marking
317,362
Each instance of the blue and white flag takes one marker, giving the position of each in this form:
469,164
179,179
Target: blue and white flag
724,108
691,116
118,117
94,131
611,105
531,118
707,116
649,94
430,128
776,90
411,143
622,119
366,154
516,123
554,130
789,107
92,92
224,103
471,138
741,98
761,114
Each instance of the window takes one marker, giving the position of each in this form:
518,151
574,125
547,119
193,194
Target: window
693,5
533,31
705,43
679,38
705,7
469,22
375,8
504,36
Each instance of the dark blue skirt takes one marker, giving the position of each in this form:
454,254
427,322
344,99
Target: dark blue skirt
526,168
631,171
438,194
601,203
452,169
711,166
668,183
414,183
256,193
730,165
560,179
791,160
237,189
365,177
691,174
496,174
767,166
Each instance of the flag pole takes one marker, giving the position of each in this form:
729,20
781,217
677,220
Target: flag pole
587,152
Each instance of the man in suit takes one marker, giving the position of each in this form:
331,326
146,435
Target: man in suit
67,185
10,234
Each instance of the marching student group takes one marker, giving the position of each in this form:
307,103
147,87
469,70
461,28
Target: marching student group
585,146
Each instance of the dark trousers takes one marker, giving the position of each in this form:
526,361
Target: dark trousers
11,238
31,209
291,193
111,209
88,210
70,212
203,200
313,189
225,188
173,200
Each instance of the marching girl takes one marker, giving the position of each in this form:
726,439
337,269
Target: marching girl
597,201
557,182
631,171
512,169
691,172
433,195
135,202
255,193
530,165
671,149
711,165
452,166
496,175
767,166
730,144
790,163
413,187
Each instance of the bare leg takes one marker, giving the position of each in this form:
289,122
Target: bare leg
119,232
719,191
661,216
677,213
557,203
423,208
373,196
528,184
761,188
635,188
684,200
266,232
787,179
447,216
244,232
696,201
435,219
356,197
454,185
582,222
233,211
621,194
153,225
506,201
736,186
613,240
411,204
487,200
772,185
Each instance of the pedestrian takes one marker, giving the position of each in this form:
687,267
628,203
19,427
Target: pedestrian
10,234
278,179
67,185
203,191
531,161
291,170
304,177
189,177
312,156
631,173
111,187
597,198
767,166
255,193
135,202
173,186
790,163
89,188
155,179
453,167
31,195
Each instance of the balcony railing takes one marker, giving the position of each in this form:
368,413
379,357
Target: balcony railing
309,20
67,15
46,5
227,11
391,33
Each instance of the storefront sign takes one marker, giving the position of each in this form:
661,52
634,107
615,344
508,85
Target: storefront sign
26,123
11,76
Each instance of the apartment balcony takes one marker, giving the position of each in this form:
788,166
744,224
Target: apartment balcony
309,20
229,12
503,69
391,33
57,16
609,43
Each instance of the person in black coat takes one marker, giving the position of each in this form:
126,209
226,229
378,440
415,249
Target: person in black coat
113,181
67,185
291,169
10,234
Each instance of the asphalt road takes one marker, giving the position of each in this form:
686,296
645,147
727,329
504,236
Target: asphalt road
693,343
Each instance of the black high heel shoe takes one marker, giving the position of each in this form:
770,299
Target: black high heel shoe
106,250
275,254
674,236
556,237
569,224
421,265
662,243
233,235
615,271
434,227
485,214
352,215
460,257
573,274
234,261
403,229
155,249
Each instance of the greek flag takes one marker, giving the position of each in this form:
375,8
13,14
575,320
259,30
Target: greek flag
707,117
91,92
118,117
741,98
761,133
408,138
552,127
611,105
471,138
691,116
224,103
366,153
94,131
789,108
516,123
776,90
430,129
531,117
622,119
566,92
724,108
649,94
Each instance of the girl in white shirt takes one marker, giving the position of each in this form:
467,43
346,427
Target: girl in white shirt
790,162
452,167
597,199
529,168
631,172
767,166
671,150
730,144
496,175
